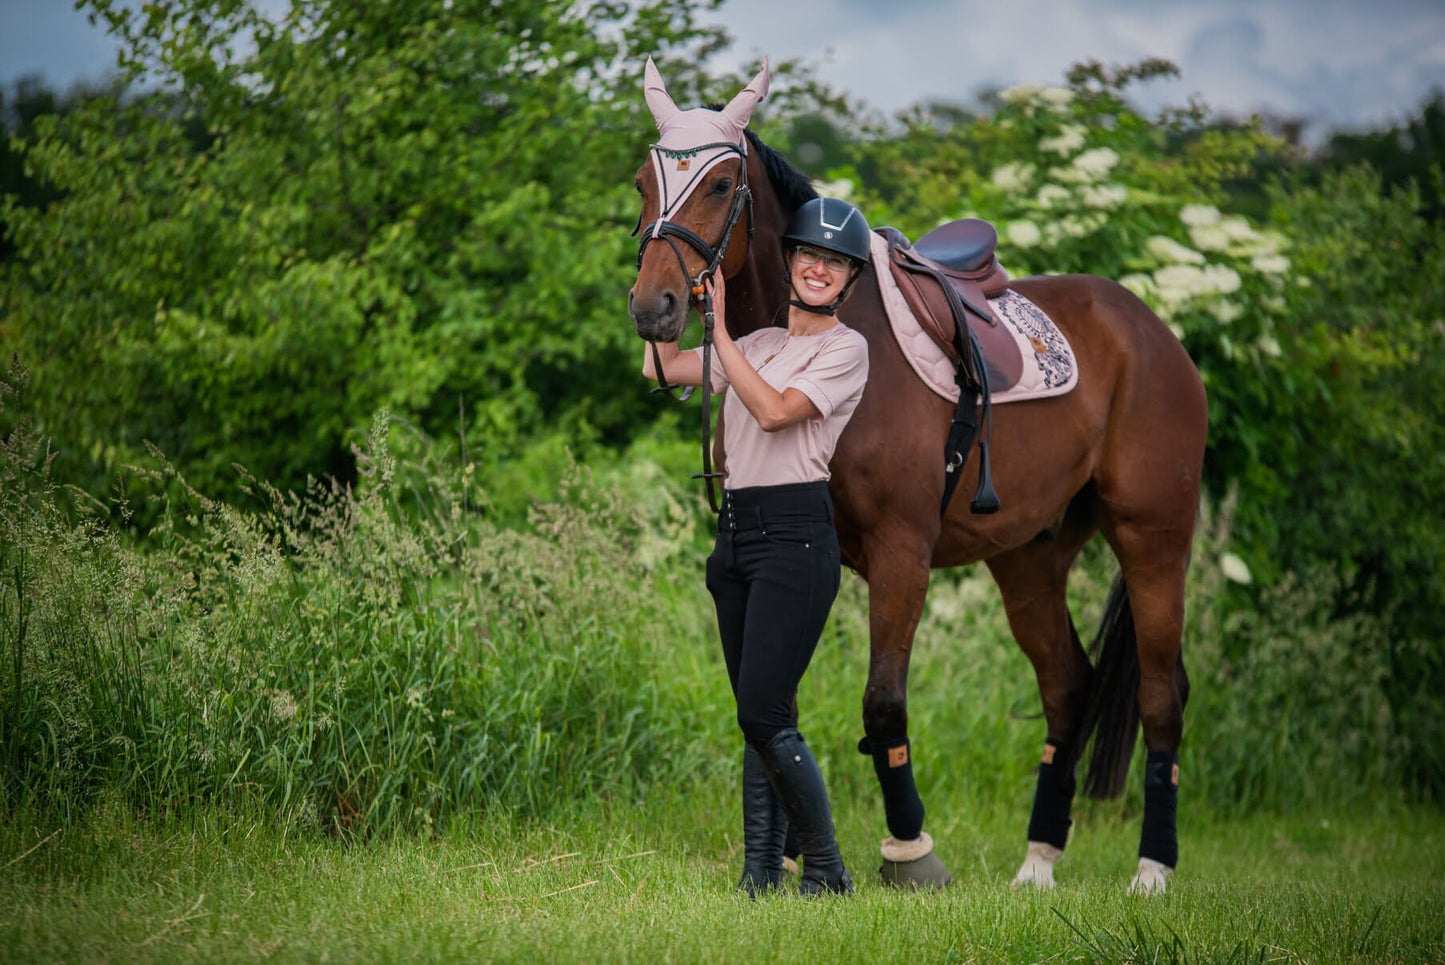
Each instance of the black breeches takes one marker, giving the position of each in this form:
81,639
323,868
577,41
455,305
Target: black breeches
773,574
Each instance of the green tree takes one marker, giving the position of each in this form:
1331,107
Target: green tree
421,207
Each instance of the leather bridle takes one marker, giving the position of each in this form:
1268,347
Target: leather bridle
712,254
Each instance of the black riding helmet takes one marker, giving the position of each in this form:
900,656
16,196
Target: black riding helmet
829,224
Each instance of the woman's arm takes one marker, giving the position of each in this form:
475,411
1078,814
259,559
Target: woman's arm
680,368
774,410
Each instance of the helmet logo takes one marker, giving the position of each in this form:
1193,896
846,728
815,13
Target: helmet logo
827,234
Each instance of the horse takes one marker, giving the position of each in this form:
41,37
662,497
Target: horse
1121,454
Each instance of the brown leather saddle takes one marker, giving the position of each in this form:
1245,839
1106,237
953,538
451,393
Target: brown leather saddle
954,270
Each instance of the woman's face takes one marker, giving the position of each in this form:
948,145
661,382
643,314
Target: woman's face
818,276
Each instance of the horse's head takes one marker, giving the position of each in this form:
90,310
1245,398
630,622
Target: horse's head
695,201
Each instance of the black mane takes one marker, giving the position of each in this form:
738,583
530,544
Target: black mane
792,187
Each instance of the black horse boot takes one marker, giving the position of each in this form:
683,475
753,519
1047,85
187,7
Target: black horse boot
799,786
764,827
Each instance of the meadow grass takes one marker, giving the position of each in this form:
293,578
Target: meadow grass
655,883
382,725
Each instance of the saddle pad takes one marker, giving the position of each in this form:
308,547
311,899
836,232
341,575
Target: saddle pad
1049,366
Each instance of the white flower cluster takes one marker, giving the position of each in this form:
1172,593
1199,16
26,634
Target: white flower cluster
842,188
1212,231
1033,96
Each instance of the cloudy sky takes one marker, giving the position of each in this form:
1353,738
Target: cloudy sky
1344,63
1341,63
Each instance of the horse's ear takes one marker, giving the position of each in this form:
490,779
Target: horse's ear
740,108
658,100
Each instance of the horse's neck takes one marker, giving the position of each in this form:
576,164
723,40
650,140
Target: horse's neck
758,295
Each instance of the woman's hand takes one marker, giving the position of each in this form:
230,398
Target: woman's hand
716,286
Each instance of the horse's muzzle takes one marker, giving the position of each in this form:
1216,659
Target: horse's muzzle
658,314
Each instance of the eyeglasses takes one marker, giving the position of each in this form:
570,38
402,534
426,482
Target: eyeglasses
811,256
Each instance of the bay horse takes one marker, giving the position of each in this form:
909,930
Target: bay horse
1120,455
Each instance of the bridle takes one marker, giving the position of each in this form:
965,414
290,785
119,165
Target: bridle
712,254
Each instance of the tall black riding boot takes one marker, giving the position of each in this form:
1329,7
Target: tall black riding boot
799,785
764,827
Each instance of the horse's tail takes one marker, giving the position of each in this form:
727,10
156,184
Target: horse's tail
1111,715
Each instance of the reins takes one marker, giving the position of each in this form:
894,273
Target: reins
713,255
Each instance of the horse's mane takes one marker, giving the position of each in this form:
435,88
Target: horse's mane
791,185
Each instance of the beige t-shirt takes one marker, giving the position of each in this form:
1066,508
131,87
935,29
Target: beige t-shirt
830,368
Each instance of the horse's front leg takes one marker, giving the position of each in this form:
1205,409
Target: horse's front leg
897,585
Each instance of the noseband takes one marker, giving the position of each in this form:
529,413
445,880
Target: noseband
670,231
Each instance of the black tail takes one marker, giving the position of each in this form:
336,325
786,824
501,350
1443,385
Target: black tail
1111,716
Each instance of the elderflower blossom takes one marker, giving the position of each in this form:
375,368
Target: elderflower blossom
1209,237
1235,569
1056,96
1021,93
1051,195
1105,195
1270,264
1225,311
1172,252
1093,164
1014,177
1269,345
1176,284
1199,215
1141,285
841,188
1023,234
1069,139
1239,229
1221,279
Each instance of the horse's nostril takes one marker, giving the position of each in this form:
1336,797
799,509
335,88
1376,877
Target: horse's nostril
669,304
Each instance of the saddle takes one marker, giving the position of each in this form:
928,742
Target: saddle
953,271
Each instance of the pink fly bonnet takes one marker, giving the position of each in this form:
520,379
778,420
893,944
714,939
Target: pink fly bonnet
693,141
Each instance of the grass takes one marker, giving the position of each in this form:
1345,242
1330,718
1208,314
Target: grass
378,726
654,883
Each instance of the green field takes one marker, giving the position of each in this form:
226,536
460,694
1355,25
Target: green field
655,884
378,727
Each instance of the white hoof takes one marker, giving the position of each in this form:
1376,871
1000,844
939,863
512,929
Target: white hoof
1151,878
1038,866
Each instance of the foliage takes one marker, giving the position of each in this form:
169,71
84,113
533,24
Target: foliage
359,663
391,659
384,206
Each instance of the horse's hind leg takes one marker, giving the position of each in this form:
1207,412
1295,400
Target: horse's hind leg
1154,563
1033,581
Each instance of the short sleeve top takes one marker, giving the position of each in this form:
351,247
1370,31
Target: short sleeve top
830,368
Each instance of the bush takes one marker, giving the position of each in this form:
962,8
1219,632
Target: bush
361,662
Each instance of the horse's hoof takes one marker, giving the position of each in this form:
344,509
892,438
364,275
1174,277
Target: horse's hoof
912,864
1038,866
1151,878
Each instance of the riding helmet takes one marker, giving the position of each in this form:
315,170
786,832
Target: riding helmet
831,224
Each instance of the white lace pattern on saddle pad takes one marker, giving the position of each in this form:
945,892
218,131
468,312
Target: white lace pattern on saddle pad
1052,371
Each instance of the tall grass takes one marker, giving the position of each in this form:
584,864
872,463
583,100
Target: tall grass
391,660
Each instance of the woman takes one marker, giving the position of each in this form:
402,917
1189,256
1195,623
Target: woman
774,570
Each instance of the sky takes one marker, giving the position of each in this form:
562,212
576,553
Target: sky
1352,64
1339,64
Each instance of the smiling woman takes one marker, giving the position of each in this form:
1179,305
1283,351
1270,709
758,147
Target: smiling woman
776,565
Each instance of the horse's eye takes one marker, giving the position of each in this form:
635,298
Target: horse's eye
637,186
723,186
